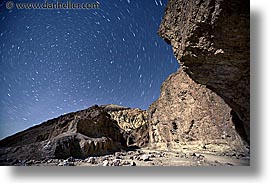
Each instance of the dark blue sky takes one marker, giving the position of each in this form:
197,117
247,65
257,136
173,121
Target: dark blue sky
58,61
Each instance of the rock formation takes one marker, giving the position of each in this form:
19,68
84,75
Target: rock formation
79,134
127,118
188,115
133,121
95,131
210,40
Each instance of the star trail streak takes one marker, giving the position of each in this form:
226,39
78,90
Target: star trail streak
57,61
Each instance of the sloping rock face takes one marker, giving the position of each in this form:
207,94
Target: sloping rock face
210,40
189,116
127,118
133,121
84,133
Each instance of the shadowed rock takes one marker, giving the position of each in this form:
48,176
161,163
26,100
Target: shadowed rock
210,40
80,134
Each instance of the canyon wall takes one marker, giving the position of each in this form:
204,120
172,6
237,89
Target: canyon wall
188,115
207,100
95,131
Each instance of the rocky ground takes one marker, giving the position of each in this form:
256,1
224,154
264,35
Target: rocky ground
145,157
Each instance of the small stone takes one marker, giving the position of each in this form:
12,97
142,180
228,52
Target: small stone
195,154
105,163
145,157
37,162
116,162
79,160
70,159
91,160
68,164
126,163
61,164
133,163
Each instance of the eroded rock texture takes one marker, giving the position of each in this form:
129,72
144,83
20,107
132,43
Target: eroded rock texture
129,119
189,115
210,39
84,133
133,121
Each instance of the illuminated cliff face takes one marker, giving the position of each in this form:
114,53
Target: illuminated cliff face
210,40
190,116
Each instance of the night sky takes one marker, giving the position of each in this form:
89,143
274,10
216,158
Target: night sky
57,61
